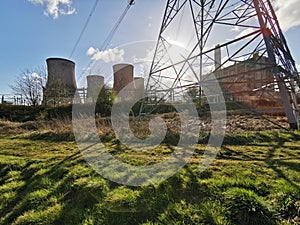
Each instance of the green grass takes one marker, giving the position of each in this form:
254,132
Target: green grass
254,180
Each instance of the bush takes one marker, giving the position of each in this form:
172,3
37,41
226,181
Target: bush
247,208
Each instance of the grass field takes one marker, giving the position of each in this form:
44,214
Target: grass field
45,180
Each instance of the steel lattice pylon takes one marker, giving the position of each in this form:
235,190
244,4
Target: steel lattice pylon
237,41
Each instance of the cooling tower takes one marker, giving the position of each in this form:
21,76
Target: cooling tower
94,85
123,75
62,70
139,85
61,83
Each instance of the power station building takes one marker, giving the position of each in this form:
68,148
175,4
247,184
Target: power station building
250,82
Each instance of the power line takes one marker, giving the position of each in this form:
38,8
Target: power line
115,28
111,34
84,27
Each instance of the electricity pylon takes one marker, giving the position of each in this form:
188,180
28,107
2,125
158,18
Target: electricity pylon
237,43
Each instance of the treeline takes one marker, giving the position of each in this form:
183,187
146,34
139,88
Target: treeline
21,113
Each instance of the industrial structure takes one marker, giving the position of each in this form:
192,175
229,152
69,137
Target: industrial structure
139,85
94,84
257,67
252,83
61,83
12,99
253,67
123,75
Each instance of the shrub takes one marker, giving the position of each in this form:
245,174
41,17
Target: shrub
247,208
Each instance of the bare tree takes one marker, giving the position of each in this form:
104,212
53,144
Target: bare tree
29,84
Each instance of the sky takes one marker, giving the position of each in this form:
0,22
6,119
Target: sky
34,30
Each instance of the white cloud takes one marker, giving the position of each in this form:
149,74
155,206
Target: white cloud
147,58
55,8
109,55
91,51
288,12
35,75
245,32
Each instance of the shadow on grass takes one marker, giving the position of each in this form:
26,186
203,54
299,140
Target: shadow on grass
272,163
83,193
275,142
59,182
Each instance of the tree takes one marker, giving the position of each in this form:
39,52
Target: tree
57,93
105,101
29,84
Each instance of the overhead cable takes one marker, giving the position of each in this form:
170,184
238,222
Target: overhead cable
84,27
111,34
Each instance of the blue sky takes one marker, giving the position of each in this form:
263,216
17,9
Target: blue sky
29,37
33,30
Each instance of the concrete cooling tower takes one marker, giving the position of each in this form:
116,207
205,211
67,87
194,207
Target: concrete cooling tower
123,75
61,84
94,85
139,85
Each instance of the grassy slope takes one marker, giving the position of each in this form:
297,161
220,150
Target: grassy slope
255,180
